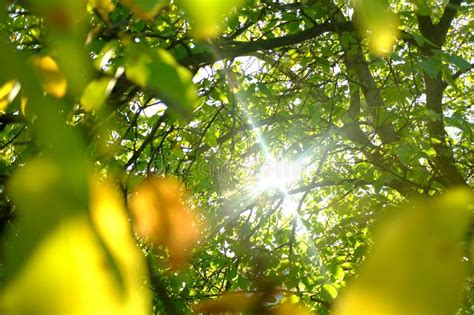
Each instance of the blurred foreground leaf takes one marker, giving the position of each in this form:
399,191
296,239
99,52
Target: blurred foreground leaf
378,24
145,9
52,79
416,264
241,302
231,302
68,272
208,15
162,218
291,308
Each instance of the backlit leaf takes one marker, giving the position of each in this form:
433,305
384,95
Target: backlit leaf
330,290
8,92
96,93
158,71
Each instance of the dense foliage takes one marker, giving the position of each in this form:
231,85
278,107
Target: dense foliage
292,125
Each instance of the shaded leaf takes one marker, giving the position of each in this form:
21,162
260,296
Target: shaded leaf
145,9
460,62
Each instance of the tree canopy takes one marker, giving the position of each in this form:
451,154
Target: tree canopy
239,156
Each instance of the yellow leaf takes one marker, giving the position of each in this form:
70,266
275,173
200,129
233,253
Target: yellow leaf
53,81
162,218
378,24
8,92
96,93
287,308
145,9
111,221
208,16
104,7
415,266
68,271
63,275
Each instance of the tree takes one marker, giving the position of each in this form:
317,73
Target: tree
293,125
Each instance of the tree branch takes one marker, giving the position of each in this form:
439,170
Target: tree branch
234,49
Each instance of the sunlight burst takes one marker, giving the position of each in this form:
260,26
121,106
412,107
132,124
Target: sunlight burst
277,174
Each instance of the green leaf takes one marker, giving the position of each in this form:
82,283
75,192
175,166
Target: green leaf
242,283
145,9
330,291
378,24
420,40
96,93
158,71
460,62
460,122
431,67
406,152
339,273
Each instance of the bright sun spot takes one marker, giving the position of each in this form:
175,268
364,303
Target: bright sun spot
277,174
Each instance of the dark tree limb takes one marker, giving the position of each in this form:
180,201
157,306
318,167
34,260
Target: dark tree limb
234,49
436,33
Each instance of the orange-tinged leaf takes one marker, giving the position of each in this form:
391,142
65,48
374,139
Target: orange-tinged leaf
161,217
237,302
23,103
230,302
52,79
